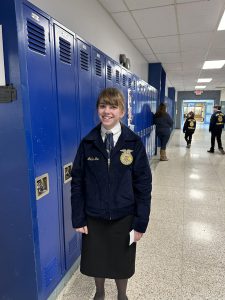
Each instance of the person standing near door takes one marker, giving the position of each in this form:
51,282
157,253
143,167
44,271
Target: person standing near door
215,127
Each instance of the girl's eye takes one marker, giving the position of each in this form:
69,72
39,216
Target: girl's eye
113,107
102,106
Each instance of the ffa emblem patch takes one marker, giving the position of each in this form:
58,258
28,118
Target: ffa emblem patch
192,124
220,118
126,158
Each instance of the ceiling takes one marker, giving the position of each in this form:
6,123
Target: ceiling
180,34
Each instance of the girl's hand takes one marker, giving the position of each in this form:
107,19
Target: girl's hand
82,230
137,236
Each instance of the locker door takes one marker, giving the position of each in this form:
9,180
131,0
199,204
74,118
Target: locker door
124,88
98,79
117,77
66,78
109,73
44,134
86,103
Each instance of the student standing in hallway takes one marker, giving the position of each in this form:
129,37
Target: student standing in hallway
163,123
110,196
215,127
189,128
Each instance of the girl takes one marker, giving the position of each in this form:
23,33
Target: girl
110,195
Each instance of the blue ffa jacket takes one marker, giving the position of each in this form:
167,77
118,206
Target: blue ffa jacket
111,191
217,121
189,125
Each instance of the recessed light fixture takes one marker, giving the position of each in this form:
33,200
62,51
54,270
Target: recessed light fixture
200,87
213,64
222,23
204,79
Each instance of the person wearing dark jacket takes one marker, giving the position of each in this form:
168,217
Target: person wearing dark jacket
110,196
216,126
163,123
189,128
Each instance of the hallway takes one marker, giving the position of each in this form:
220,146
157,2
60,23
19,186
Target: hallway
182,255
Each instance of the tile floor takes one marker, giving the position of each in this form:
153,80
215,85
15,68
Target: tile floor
182,255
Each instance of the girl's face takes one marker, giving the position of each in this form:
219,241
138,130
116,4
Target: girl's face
109,115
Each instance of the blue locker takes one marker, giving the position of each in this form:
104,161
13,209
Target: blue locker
66,83
117,77
98,79
86,103
44,138
109,72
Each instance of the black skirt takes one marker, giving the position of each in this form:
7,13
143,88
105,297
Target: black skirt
105,250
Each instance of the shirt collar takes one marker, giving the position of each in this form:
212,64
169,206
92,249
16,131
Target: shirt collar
116,129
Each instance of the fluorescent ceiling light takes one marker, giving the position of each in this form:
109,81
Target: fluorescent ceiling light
200,87
222,23
204,79
213,64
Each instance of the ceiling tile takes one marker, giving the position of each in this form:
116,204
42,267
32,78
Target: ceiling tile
143,46
216,54
172,67
186,1
169,57
113,6
151,58
195,41
218,40
199,16
140,4
165,44
127,24
160,21
193,56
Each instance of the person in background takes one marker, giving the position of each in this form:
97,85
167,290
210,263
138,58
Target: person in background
110,196
163,123
216,126
189,128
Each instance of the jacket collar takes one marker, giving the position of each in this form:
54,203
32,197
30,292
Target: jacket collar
95,137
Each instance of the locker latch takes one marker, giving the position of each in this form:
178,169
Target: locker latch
7,93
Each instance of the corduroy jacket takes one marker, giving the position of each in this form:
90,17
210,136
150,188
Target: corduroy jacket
115,190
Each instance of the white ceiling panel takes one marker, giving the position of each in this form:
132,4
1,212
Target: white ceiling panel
165,44
193,56
216,54
218,40
151,58
169,57
199,16
160,21
172,67
113,6
141,4
127,24
188,1
193,65
143,46
195,41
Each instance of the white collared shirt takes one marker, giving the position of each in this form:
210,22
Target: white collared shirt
116,130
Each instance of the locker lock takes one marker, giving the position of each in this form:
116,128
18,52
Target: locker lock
7,93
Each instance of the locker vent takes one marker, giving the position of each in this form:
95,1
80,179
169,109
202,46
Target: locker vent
117,76
84,60
98,67
134,84
50,272
129,82
36,37
124,80
109,72
64,51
